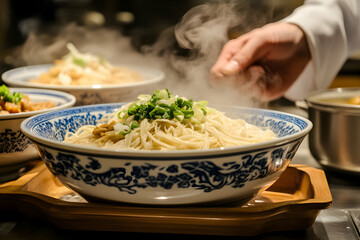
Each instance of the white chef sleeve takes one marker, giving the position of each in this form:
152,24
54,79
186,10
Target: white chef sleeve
332,28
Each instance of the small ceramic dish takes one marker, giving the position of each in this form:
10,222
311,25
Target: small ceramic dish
86,95
15,148
174,177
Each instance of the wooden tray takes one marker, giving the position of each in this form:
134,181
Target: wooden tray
292,203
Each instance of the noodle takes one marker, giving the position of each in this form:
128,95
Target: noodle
215,130
85,69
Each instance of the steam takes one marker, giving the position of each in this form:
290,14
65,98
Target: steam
110,44
202,32
206,25
185,52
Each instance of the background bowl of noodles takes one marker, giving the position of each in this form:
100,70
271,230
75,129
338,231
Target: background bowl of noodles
173,177
87,94
15,148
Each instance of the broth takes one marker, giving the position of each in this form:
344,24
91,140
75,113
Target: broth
354,100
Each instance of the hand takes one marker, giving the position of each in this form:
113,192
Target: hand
267,60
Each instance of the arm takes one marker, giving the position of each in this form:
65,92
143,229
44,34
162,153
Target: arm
332,28
305,50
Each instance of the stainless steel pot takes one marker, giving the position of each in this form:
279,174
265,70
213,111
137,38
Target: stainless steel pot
335,138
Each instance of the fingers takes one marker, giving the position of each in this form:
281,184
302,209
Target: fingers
254,82
254,50
223,59
281,47
244,82
240,54
228,51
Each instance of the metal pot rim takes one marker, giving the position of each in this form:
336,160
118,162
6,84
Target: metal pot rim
314,100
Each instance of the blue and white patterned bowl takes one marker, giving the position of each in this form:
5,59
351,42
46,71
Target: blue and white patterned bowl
176,177
15,148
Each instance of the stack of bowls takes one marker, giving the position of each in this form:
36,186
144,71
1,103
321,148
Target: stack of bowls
16,149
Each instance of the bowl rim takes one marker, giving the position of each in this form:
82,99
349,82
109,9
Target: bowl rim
314,99
6,78
70,101
159,154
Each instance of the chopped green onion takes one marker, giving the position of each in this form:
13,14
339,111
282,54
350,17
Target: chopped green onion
164,105
204,111
121,114
7,96
79,61
134,125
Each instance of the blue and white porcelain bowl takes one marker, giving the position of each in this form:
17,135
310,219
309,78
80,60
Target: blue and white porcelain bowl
176,177
91,94
15,148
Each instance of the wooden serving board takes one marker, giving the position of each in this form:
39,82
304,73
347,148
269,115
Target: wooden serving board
292,203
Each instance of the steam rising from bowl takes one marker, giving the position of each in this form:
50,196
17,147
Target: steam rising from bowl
185,52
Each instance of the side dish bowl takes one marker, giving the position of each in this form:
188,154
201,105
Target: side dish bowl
85,95
15,148
175,177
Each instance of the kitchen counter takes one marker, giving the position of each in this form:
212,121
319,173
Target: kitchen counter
340,221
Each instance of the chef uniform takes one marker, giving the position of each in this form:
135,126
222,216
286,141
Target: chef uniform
332,28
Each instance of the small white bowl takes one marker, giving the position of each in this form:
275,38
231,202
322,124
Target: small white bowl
175,177
92,94
15,148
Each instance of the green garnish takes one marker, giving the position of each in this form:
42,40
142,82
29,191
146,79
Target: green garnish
79,61
132,126
102,60
164,105
7,96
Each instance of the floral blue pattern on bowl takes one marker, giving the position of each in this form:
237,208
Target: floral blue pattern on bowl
16,149
176,177
13,141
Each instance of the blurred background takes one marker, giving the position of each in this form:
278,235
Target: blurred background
140,20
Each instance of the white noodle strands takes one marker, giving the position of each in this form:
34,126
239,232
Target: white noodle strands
164,134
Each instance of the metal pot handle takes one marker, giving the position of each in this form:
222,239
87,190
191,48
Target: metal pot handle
302,105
